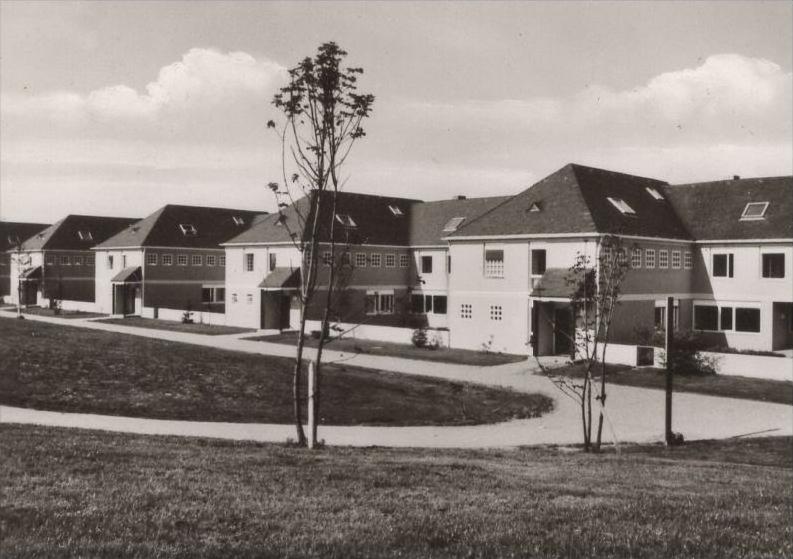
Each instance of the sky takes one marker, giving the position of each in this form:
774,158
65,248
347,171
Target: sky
117,108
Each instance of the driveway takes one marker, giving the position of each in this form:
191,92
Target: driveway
636,414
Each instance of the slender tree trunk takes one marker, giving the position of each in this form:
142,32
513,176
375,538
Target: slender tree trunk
297,380
602,399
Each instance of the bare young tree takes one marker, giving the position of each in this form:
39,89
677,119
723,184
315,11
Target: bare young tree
323,114
595,294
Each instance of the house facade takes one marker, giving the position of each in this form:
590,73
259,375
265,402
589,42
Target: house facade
169,263
59,264
12,235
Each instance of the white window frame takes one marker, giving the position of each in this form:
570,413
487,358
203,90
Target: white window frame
249,262
167,260
390,260
404,260
649,258
493,269
222,260
688,260
663,259
196,260
360,260
677,260
636,258
77,261
211,260
151,258
375,260
621,205
745,217
453,224
182,260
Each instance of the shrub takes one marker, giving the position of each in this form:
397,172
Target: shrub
419,337
687,358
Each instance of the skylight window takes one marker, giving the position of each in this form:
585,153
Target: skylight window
188,229
754,210
346,220
621,205
453,224
396,210
535,207
238,220
654,193
85,235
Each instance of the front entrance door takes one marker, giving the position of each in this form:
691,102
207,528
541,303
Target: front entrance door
562,331
30,291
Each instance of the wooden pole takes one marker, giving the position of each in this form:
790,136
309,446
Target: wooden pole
312,380
670,309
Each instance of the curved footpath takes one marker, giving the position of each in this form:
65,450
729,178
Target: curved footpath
637,414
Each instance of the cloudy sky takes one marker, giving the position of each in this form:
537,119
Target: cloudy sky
116,108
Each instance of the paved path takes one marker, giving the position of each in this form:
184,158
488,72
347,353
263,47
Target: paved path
637,414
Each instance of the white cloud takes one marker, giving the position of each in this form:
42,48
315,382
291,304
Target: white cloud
203,78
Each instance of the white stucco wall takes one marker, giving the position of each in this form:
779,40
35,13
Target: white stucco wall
36,259
103,274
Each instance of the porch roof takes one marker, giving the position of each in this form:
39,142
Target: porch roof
282,278
555,283
31,274
128,275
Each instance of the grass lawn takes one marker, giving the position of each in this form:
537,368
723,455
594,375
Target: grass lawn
776,391
62,314
83,493
62,368
206,329
445,355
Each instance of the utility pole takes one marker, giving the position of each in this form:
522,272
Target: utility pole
670,324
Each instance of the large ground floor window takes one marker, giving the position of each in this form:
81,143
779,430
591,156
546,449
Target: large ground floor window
726,318
379,302
213,294
422,303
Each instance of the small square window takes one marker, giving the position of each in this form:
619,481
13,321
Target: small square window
636,258
723,265
649,258
181,260
663,258
90,260
327,259
495,312
466,311
676,260
197,260
50,260
688,261
78,260
151,258
167,259
211,259
390,260
375,260
249,298
221,260
65,261
360,259
774,265
233,297
404,260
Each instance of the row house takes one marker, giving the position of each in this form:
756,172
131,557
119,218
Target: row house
12,235
57,263
169,263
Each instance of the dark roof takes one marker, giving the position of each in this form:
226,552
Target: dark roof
31,273
574,200
375,223
65,234
163,228
428,219
282,278
712,210
12,233
128,275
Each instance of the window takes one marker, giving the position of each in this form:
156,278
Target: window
535,207
65,261
494,263
123,261
448,263
220,294
747,320
211,259
375,259
346,259
466,311
663,258
426,264
151,258
50,260
706,317
688,261
346,220
660,316
396,210
89,260
726,318
238,220
386,303
197,260
78,260
167,259
422,304
649,258
723,265
181,260
233,297
404,260
417,303
221,260
249,298
453,224
390,260
272,261
370,302
636,258
654,193
379,302
85,236
326,258
754,210
109,261
249,261
538,258
188,229
439,304
360,259
676,260
621,205
622,257
774,265
213,294
495,312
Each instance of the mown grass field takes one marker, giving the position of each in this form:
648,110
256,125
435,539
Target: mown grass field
763,390
173,326
63,368
404,351
90,494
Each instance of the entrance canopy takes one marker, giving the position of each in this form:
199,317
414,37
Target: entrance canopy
128,275
556,284
32,274
281,279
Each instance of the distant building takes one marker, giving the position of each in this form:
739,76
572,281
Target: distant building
12,235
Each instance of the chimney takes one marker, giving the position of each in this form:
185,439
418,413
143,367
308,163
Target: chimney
460,197
736,177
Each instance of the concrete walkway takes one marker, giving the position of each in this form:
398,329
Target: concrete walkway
636,414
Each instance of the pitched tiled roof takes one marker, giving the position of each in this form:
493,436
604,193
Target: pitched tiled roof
163,228
428,219
712,210
13,233
374,221
65,234
574,200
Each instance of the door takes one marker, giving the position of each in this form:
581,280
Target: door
30,292
562,331
262,312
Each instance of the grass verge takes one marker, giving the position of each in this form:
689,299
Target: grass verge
82,493
63,368
763,390
38,311
195,328
371,347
